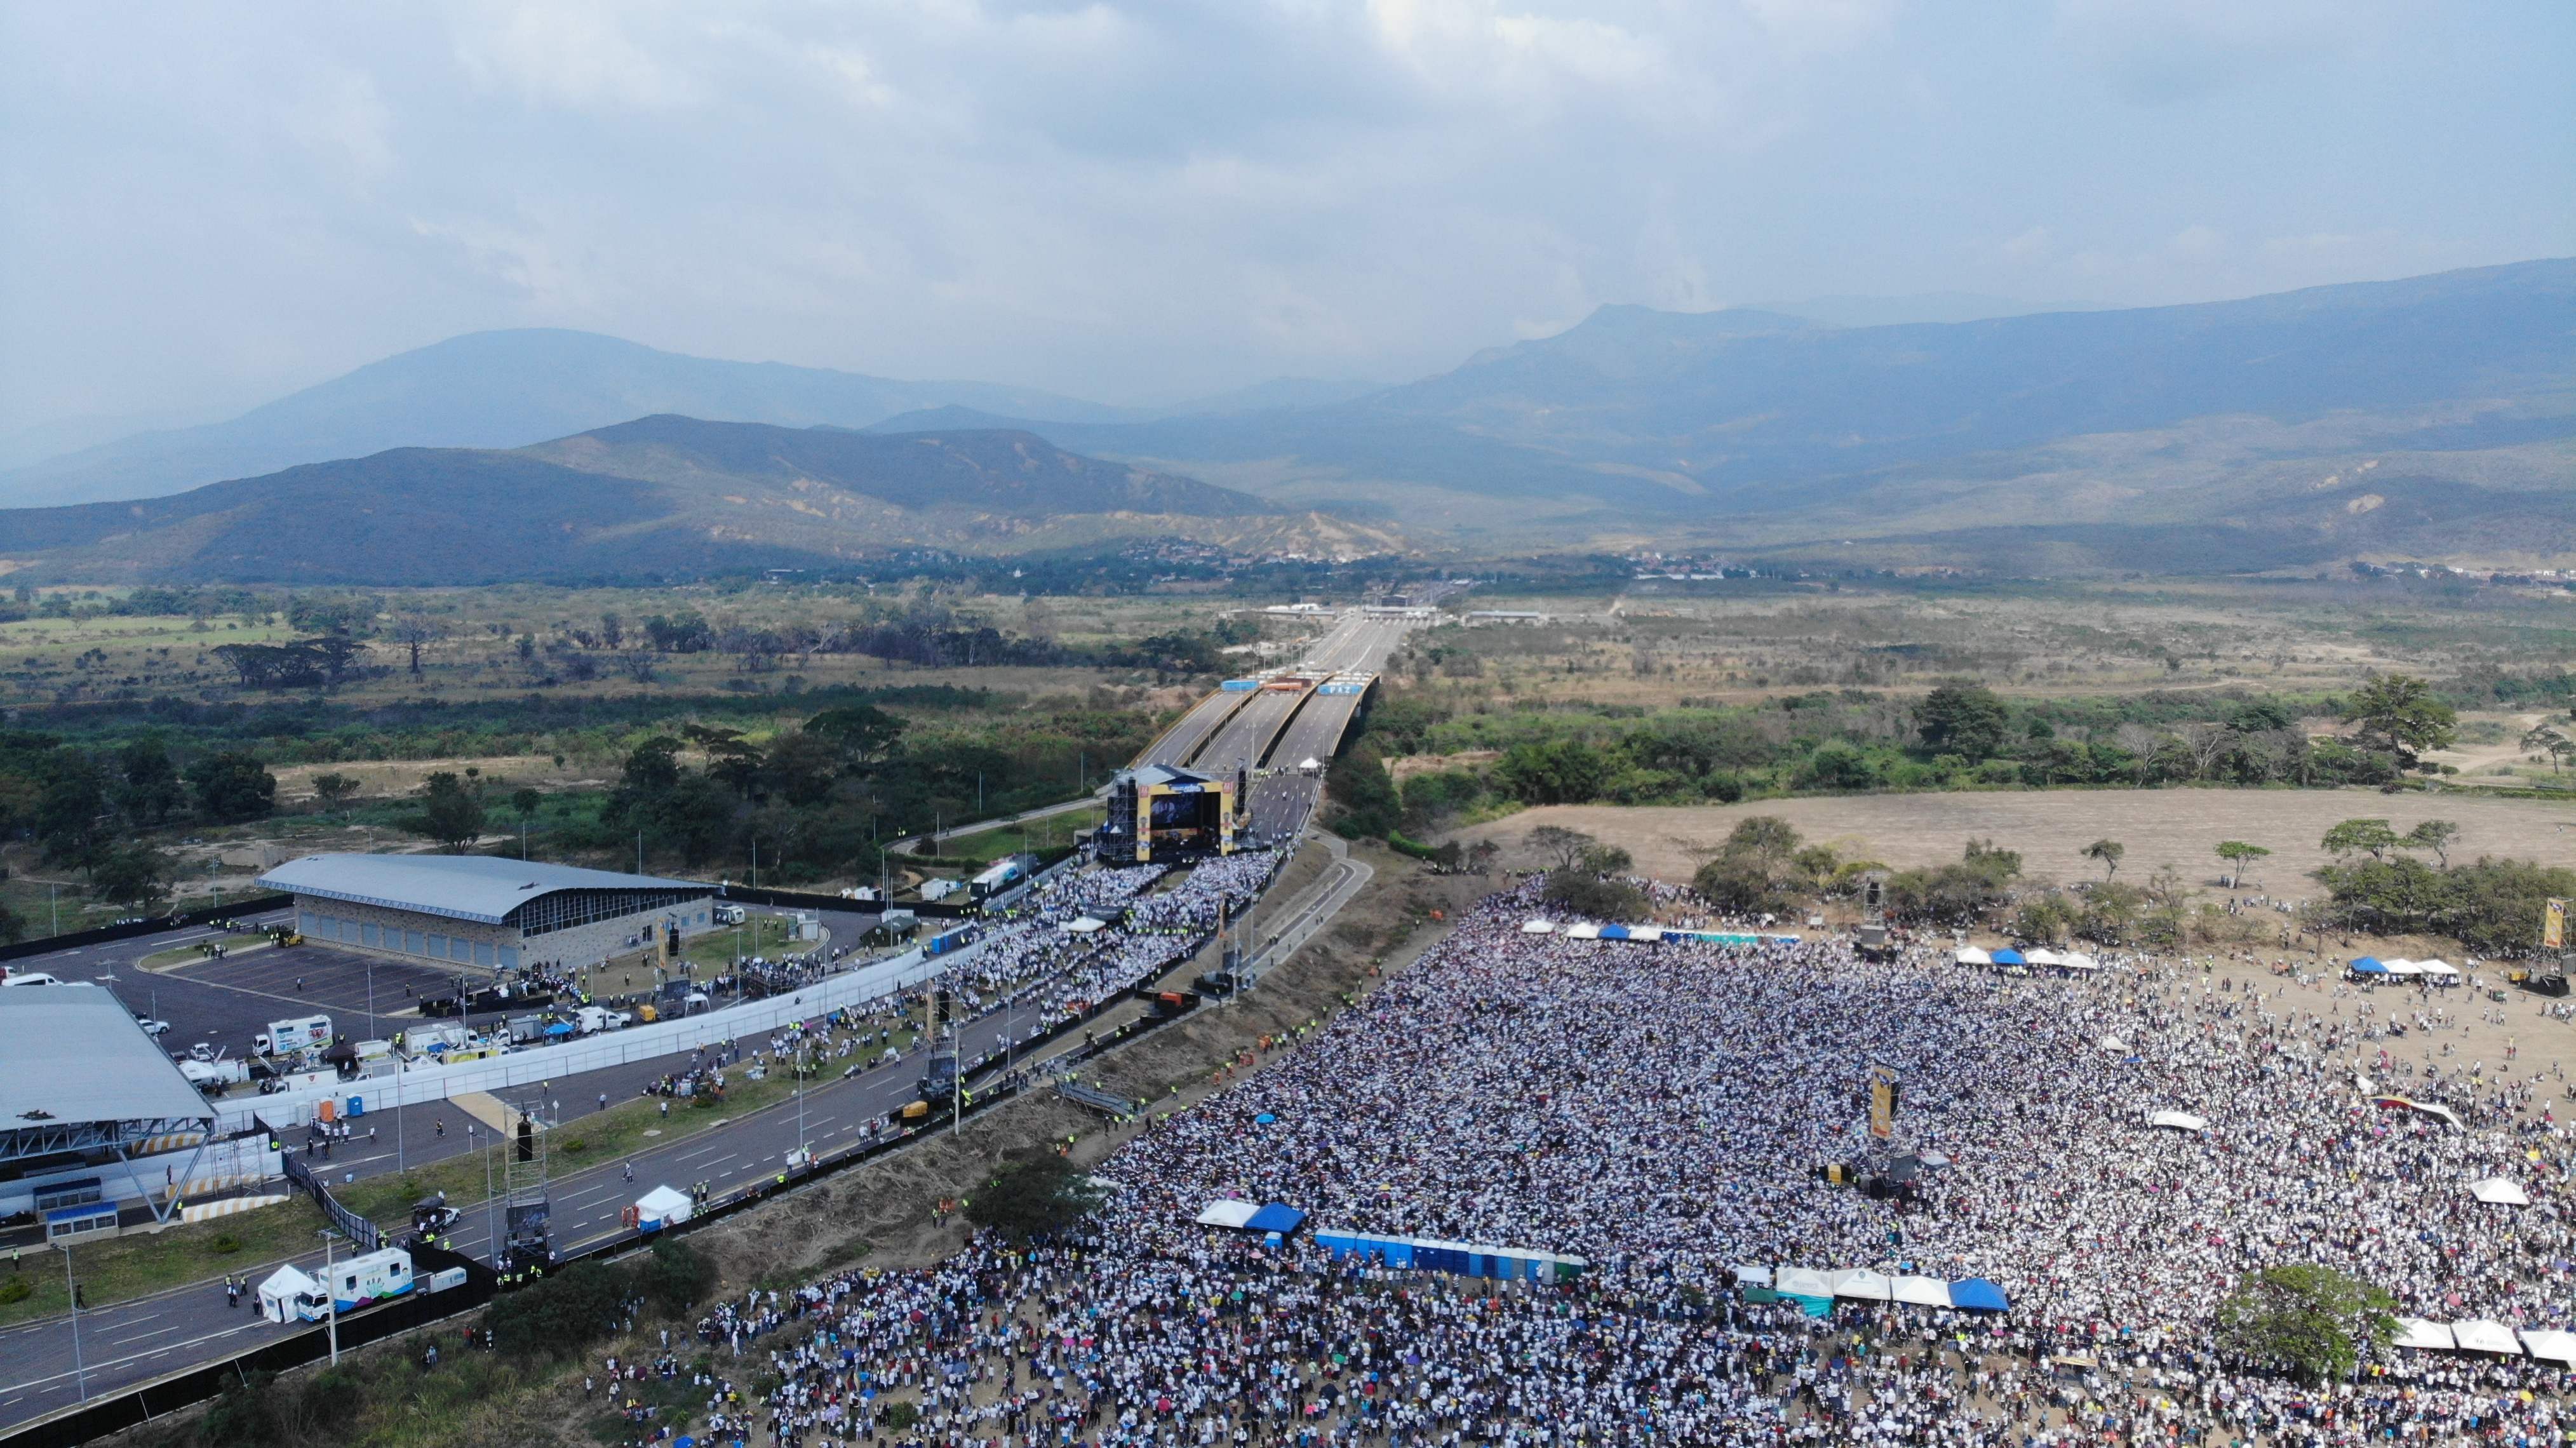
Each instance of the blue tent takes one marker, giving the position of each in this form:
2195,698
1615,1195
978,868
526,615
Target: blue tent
1264,1119
1277,1217
1614,932
2368,965
1979,1294
2009,957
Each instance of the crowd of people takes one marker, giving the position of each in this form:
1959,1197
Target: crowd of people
1667,1112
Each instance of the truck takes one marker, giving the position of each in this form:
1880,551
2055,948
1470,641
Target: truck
595,1019
864,894
937,888
527,1030
370,1277
435,1040
1001,875
730,915
303,1033
215,1075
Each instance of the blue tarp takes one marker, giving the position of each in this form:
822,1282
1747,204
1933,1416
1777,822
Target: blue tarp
1277,1217
1978,1293
2009,957
1614,932
2368,965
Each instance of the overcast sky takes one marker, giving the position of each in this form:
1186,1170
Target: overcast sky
205,206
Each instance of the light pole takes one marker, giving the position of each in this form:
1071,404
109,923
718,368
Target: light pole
330,1297
71,1290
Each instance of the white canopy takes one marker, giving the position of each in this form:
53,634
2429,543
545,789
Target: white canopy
1583,931
2417,1333
2479,1335
2042,955
1971,955
2179,1121
1227,1214
2550,1343
1086,925
1758,1276
2436,967
663,1204
2078,960
1802,1282
280,1291
1647,933
1922,1291
1861,1283
2399,966
2499,1192
1538,927
2114,1043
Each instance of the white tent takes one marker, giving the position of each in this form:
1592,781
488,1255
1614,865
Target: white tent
662,1207
2550,1343
2179,1121
2439,969
2479,1335
2400,966
1801,1282
2114,1043
1758,1276
1971,955
289,1295
1861,1283
2496,1191
1584,931
1227,1214
1922,1291
2417,1333
1086,925
1647,933
1538,927
2042,955
2078,960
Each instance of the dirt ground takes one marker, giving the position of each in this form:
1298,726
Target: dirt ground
2179,827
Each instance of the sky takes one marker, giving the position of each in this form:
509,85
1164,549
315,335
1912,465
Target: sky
203,207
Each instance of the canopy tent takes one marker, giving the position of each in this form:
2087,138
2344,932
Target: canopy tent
1801,1282
1979,1295
1584,931
1227,1214
1971,955
2078,960
1758,1276
2439,969
662,1207
2479,1335
1921,1291
1538,927
2041,955
1086,925
1862,1284
1648,933
2366,965
1277,1217
2415,1332
2114,1043
2179,1121
2551,1344
2496,1191
286,1293
2399,966
2008,957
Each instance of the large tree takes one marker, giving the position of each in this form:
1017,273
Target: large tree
1964,719
2313,1320
233,786
2399,714
451,811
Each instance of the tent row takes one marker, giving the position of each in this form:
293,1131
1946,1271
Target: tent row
1464,1259
2036,955
1648,934
2481,1335
1816,1291
2440,972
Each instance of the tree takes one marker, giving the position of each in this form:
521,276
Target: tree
451,811
865,732
1033,1199
1766,839
2546,739
148,788
1963,719
414,631
1606,860
2044,919
2398,713
13,926
2236,853
1561,847
2105,853
2436,836
2360,837
334,789
2313,1320
1481,855
233,786
675,1277
138,877
1359,795
1582,893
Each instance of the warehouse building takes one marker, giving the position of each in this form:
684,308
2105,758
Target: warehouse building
493,914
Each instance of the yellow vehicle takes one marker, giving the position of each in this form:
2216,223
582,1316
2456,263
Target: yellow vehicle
916,1111
647,1013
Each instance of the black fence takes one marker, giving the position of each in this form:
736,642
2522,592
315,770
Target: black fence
299,1170
47,944
799,900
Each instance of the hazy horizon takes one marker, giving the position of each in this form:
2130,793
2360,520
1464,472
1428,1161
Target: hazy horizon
1136,204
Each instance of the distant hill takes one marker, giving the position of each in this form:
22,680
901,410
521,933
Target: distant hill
658,496
1762,429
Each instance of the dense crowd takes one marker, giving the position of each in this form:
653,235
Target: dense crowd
1665,1112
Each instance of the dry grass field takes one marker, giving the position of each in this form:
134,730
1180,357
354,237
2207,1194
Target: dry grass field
2179,827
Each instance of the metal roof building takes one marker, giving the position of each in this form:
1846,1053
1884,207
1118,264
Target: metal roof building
79,1081
478,910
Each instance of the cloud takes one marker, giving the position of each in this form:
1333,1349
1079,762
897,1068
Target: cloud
2162,51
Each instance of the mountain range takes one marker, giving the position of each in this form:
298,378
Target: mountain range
2430,418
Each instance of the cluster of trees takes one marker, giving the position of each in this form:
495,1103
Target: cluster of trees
2378,883
1957,736
591,1300
88,808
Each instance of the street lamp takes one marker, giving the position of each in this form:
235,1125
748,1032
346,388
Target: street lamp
330,1298
71,1289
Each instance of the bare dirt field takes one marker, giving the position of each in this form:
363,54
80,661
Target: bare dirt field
2179,827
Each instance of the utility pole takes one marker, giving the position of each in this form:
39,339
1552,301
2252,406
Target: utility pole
71,1290
639,852
330,1298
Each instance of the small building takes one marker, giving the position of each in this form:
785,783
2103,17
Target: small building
493,914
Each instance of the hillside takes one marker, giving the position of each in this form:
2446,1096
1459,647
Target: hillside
659,496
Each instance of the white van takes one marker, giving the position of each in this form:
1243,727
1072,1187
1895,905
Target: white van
370,1277
286,1037
30,977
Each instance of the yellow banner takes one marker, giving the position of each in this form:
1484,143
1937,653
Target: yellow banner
2553,926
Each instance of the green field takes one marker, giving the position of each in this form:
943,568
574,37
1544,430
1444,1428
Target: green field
985,846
